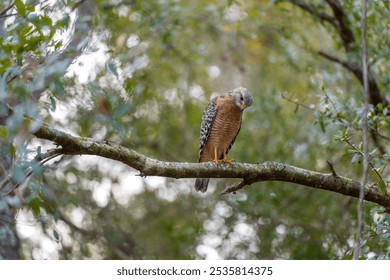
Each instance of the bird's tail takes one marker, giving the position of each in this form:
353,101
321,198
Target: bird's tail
201,184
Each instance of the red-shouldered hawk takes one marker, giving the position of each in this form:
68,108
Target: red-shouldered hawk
220,125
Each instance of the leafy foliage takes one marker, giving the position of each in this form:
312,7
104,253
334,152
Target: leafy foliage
143,81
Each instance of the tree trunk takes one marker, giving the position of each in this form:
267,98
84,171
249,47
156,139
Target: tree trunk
9,239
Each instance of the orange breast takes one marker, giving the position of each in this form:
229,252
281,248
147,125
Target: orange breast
225,126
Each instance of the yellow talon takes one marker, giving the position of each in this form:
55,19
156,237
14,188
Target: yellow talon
225,160
229,161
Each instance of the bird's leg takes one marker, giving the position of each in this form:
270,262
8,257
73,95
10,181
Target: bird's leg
216,160
230,161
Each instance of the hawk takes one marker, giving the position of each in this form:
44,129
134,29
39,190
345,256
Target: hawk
221,122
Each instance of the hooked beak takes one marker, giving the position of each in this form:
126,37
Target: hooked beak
243,106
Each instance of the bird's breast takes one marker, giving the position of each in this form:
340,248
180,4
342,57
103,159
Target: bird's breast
225,127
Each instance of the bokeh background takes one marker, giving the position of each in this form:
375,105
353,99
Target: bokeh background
143,82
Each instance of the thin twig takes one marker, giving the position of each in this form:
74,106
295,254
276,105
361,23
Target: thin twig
297,103
72,225
356,253
380,135
362,154
10,15
330,100
236,187
5,181
6,9
42,160
375,139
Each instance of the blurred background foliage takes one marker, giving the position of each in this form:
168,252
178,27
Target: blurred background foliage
143,82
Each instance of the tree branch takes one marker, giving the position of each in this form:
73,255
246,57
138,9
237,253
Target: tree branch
321,15
342,26
375,96
267,171
346,64
7,8
340,22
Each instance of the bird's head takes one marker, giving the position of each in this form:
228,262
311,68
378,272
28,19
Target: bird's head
242,97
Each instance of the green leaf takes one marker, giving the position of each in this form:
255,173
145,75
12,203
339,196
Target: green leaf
20,8
64,22
3,132
18,173
53,105
56,215
129,85
345,132
355,158
322,124
296,108
122,109
39,151
13,150
383,187
46,21
112,68
56,235
35,207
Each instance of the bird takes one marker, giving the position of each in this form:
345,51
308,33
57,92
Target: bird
221,123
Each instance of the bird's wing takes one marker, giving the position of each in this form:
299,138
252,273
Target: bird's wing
207,122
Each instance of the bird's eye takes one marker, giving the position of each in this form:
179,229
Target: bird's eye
242,98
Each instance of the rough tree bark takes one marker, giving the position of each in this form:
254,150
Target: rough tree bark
250,173
9,240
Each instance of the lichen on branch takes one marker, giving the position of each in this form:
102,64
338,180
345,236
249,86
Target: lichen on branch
250,173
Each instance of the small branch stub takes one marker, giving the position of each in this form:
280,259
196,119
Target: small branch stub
236,187
331,167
